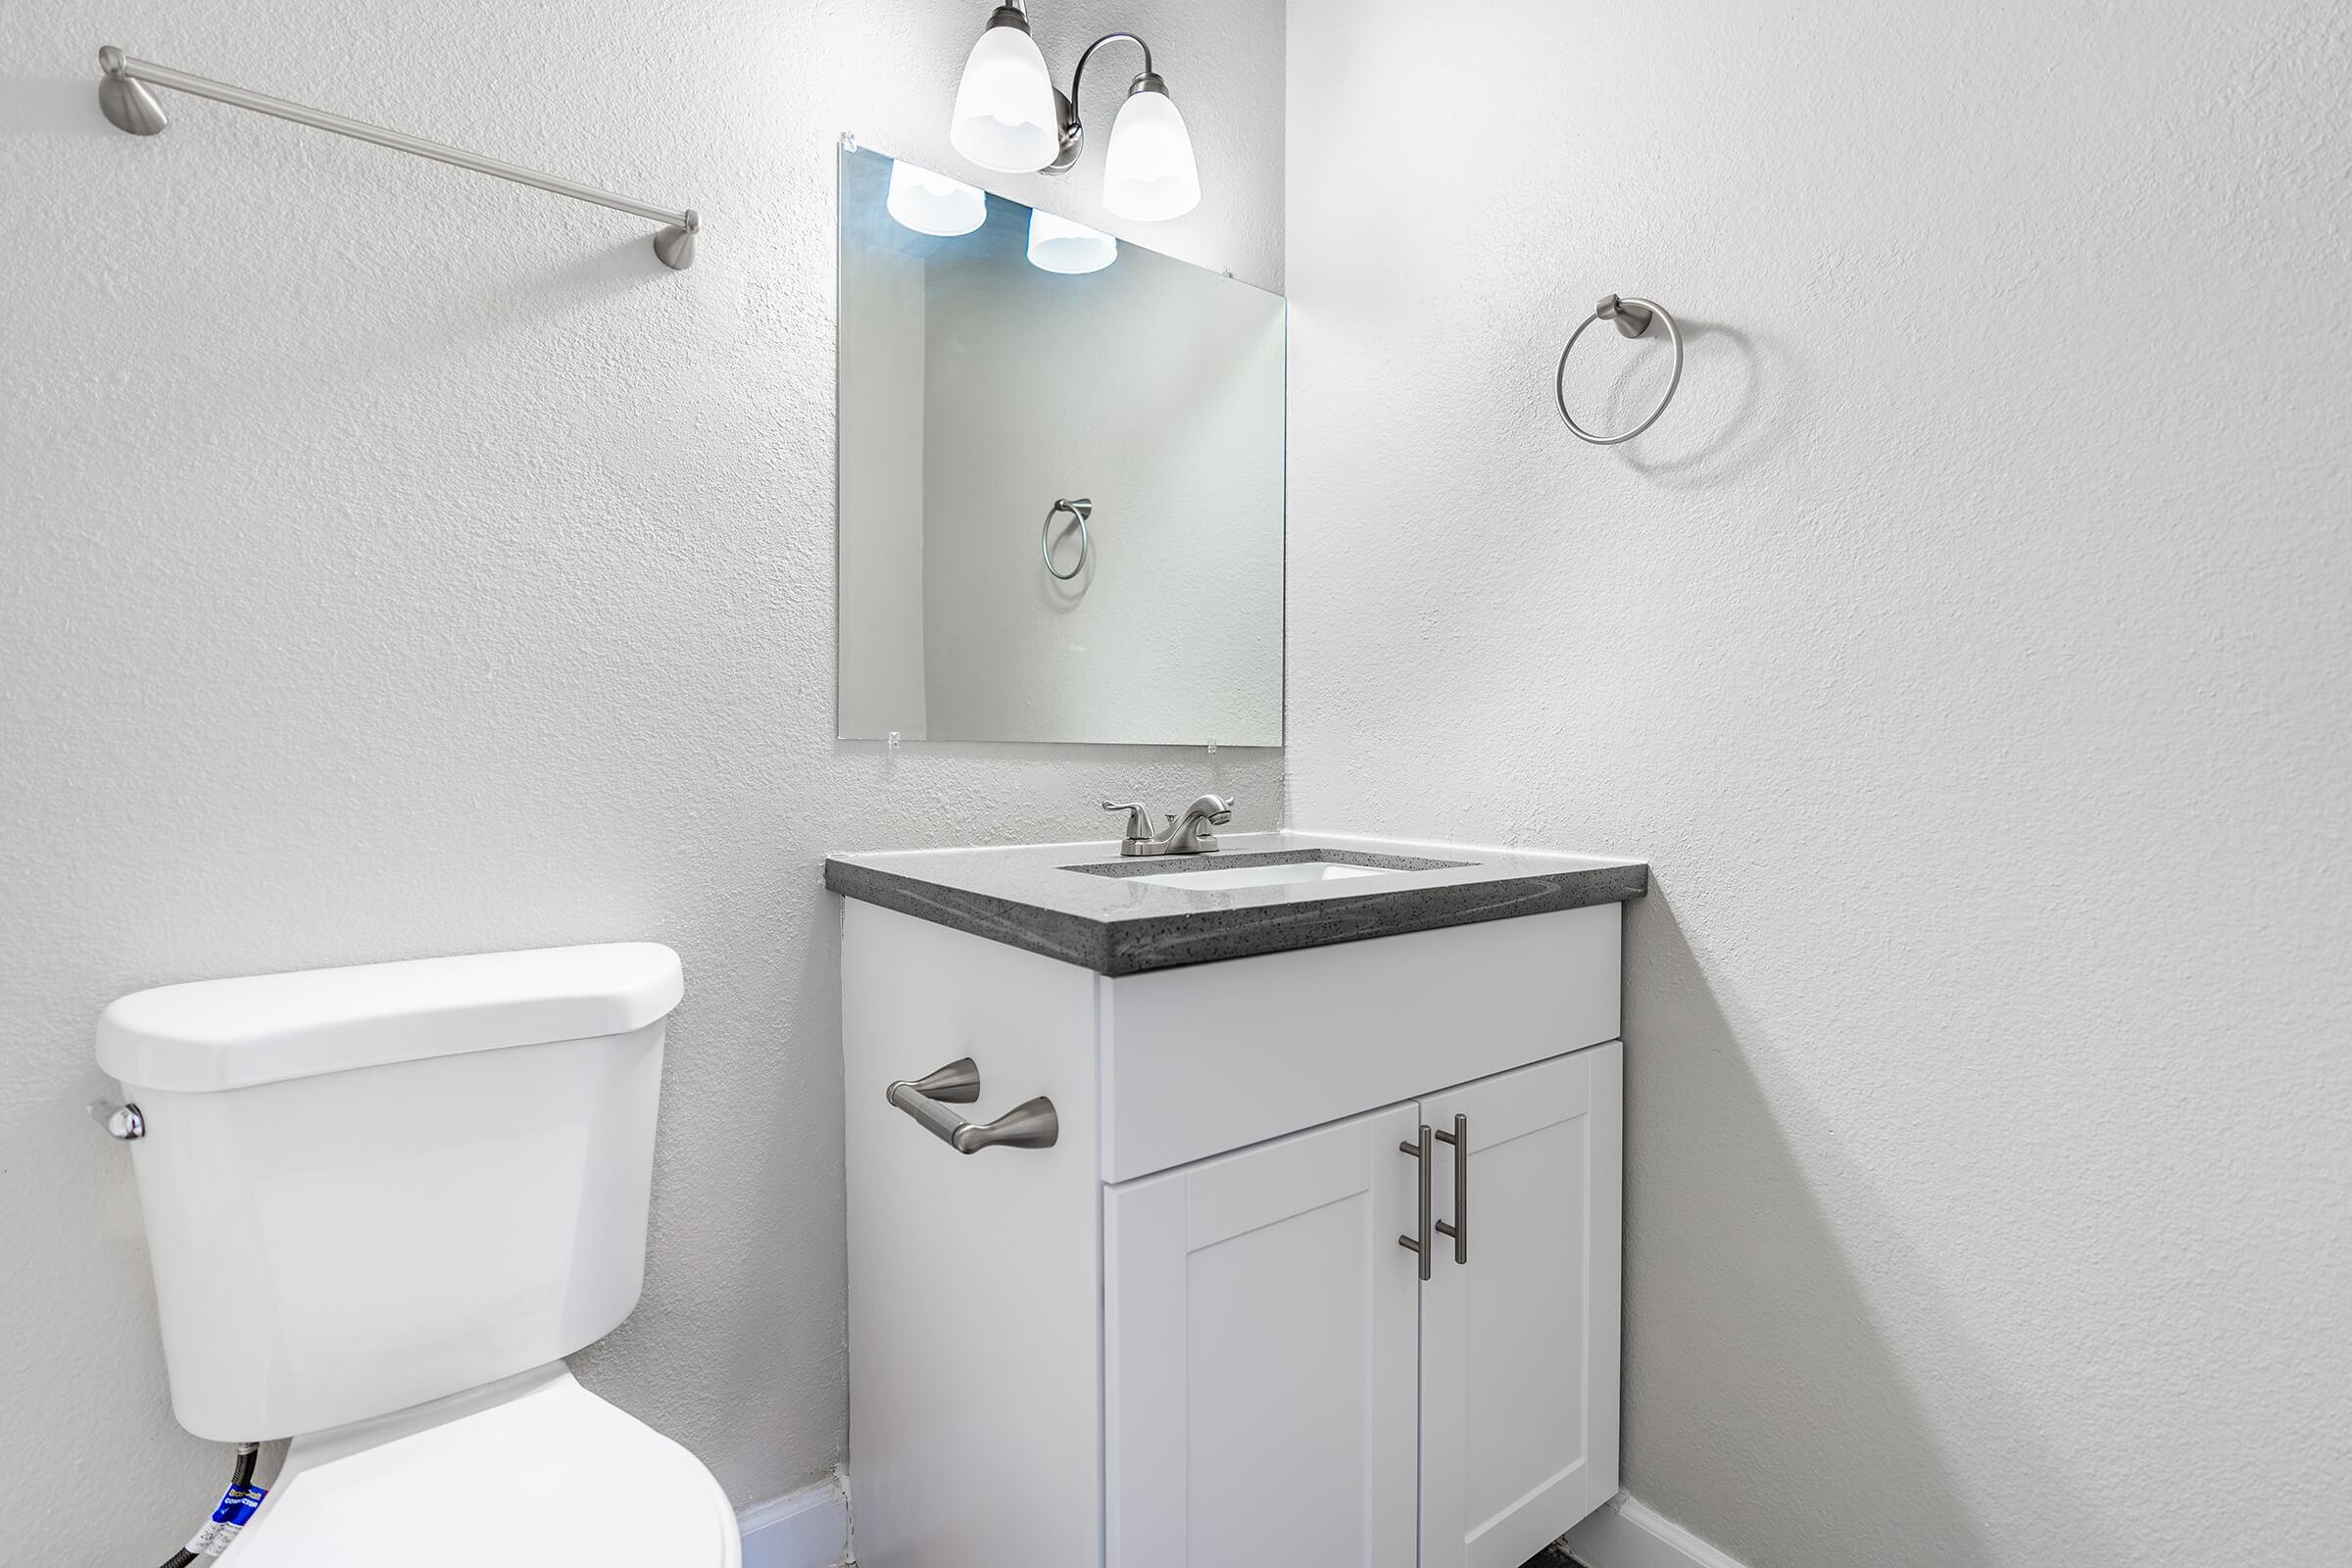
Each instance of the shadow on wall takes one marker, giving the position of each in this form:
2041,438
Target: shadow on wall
472,307
1716,1181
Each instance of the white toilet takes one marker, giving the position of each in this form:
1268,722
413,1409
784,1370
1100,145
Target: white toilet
384,1202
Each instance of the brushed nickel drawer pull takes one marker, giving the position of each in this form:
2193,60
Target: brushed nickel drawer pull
1421,1152
1459,1230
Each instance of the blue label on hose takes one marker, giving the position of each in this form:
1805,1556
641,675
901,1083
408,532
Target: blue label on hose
235,1513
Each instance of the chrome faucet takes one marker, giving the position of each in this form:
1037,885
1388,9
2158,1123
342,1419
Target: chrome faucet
1184,835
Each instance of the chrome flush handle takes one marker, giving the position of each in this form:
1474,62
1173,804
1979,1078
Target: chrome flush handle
121,1121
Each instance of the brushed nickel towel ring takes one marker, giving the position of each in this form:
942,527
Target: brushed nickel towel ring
1080,509
1632,317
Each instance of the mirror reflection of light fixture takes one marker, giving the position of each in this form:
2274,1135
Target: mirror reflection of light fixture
1058,245
1010,118
933,204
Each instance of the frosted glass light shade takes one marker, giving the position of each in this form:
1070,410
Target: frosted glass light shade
1005,118
1149,173
933,204
1058,245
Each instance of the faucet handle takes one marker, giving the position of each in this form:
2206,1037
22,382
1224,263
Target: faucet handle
1138,821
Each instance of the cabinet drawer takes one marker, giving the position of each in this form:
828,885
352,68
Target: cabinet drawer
1200,1060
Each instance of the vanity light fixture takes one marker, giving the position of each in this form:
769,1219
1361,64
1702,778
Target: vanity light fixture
1058,245
933,204
1010,118
1006,116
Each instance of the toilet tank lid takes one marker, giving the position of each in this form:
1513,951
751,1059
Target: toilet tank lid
232,1034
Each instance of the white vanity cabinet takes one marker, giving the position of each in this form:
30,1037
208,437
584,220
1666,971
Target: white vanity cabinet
1187,1335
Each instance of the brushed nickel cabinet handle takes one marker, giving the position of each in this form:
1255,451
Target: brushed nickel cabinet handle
1459,1230
1424,1153
1032,1124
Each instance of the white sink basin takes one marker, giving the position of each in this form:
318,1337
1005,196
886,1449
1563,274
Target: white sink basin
1211,878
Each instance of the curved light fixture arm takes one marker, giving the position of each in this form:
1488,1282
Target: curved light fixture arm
1073,130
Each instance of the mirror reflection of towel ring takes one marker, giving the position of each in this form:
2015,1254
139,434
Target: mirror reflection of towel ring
1080,509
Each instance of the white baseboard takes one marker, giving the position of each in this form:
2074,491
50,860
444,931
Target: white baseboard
1624,1534
806,1529
810,1529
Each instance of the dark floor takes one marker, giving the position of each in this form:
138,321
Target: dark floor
1548,1558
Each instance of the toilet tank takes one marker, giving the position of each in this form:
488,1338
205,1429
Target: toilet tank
369,1187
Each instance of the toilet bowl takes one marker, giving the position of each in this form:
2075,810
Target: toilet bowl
383,1205
532,1469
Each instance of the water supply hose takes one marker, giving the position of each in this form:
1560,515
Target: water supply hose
238,1481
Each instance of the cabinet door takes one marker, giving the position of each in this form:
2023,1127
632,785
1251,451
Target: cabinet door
1519,1350
1259,1350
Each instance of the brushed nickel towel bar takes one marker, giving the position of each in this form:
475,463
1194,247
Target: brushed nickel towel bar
1632,317
129,105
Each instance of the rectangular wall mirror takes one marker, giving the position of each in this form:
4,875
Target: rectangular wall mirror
1061,491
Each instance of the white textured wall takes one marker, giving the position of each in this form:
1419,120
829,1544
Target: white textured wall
1968,649
401,563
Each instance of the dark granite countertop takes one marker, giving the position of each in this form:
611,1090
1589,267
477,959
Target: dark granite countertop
1082,903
